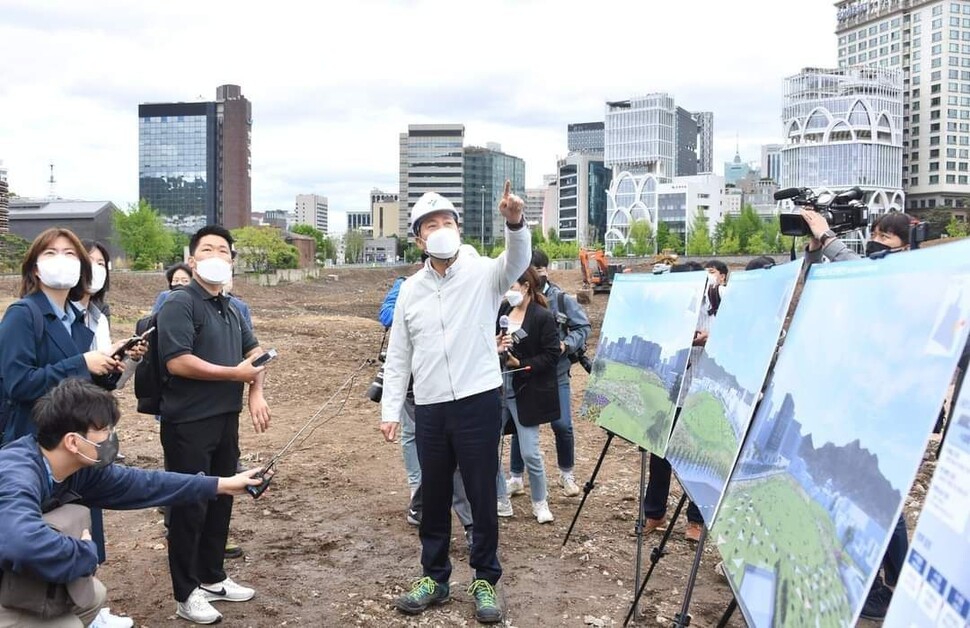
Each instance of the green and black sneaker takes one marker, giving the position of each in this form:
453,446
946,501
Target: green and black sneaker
486,602
424,593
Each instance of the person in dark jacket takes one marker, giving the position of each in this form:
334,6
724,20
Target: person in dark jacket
34,360
70,460
532,389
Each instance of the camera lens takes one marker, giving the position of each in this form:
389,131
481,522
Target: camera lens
376,390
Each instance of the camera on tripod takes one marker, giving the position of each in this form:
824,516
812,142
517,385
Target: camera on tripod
844,212
376,389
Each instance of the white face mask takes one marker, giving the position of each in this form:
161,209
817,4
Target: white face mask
59,272
514,297
214,270
99,274
443,243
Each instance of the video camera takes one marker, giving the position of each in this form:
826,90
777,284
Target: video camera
376,389
580,355
844,212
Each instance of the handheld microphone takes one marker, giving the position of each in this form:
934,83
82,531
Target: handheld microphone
781,195
503,324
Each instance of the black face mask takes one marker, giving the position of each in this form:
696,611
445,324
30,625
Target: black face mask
873,247
176,287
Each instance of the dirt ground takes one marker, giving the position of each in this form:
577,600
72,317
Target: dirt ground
328,544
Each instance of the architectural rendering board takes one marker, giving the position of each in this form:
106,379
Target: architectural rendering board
646,337
727,380
840,433
934,586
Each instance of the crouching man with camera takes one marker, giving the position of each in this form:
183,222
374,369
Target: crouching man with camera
891,233
48,480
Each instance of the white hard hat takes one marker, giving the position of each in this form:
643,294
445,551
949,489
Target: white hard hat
430,203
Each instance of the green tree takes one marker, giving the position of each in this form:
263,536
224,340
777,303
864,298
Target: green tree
674,242
937,221
180,241
748,224
326,249
663,236
956,228
553,236
619,250
353,247
699,241
141,233
641,238
537,238
757,245
263,249
13,250
730,245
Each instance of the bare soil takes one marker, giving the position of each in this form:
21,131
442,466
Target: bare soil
328,544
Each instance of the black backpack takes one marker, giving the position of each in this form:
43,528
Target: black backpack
151,376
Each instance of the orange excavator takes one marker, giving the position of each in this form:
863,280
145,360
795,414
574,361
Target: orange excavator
597,271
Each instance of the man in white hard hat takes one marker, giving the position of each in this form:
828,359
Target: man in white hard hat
444,335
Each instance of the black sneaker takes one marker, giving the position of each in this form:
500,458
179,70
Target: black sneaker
486,602
424,593
414,508
877,602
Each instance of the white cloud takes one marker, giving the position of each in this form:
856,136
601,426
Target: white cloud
332,89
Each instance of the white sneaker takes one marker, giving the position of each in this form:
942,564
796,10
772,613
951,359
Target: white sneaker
515,485
568,484
197,609
105,619
541,511
227,591
505,507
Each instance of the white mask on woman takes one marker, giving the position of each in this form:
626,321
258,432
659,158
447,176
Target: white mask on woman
59,272
99,274
514,297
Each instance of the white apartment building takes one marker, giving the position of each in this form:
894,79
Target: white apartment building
312,209
929,42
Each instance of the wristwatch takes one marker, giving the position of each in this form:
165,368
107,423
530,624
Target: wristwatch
826,236
516,226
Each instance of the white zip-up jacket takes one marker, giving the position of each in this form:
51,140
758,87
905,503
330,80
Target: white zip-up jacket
444,327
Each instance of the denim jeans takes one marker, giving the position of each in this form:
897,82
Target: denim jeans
562,429
529,439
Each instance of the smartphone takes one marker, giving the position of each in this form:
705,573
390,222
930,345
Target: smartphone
265,358
130,343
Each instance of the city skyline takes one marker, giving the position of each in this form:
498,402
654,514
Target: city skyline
332,128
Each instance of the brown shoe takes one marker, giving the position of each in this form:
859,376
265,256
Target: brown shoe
655,524
693,532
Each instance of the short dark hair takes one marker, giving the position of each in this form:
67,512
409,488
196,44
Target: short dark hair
174,268
686,267
540,259
74,405
717,265
760,262
216,230
894,223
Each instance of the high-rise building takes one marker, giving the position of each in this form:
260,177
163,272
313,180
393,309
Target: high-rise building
4,200
312,209
358,221
385,214
705,141
194,160
652,135
771,162
585,137
935,87
431,160
534,200
736,170
583,183
485,171
843,128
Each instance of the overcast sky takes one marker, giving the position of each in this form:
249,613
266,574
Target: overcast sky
332,84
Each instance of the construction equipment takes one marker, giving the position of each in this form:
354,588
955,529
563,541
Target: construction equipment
664,261
597,271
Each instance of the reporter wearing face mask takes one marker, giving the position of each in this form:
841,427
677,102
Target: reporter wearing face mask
890,234
43,337
532,396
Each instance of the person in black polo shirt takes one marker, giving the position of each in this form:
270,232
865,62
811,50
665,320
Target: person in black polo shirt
208,350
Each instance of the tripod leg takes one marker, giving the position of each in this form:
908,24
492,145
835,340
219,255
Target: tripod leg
655,556
589,486
682,619
641,522
728,612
